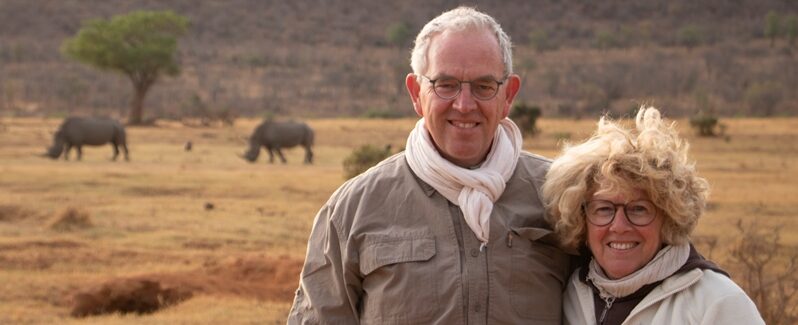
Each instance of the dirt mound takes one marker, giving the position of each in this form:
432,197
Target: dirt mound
70,218
126,296
262,278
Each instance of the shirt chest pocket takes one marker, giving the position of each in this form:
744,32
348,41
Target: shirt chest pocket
538,275
398,280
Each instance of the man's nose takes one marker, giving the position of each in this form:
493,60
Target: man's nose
465,101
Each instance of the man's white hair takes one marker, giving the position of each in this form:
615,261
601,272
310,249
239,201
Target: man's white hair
459,19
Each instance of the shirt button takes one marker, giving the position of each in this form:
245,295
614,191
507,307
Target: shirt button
474,252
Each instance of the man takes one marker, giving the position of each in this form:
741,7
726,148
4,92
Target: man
452,230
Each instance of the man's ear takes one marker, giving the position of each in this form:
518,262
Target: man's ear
414,88
510,91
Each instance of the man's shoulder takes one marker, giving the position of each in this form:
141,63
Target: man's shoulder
534,158
392,167
534,165
388,172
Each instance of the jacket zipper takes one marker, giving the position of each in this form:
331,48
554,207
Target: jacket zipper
607,307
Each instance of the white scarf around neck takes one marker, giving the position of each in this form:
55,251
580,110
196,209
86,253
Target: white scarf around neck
473,190
667,261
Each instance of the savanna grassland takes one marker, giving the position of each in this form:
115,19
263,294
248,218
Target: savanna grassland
234,233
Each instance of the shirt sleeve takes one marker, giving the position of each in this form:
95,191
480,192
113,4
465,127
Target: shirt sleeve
329,287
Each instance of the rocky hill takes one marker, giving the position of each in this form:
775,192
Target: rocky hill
338,57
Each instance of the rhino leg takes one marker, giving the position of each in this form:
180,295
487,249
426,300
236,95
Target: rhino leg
308,155
124,149
280,153
67,148
79,149
116,152
271,155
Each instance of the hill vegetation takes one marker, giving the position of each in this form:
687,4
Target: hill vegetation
349,57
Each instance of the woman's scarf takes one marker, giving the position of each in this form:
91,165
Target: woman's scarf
667,261
473,190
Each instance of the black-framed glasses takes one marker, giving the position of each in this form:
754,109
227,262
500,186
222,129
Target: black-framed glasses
448,88
602,212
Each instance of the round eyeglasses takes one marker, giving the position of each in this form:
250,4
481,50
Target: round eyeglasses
601,212
448,88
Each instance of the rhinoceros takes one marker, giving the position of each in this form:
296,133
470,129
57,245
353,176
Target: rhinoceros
79,131
274,136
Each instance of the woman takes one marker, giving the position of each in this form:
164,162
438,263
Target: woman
628,202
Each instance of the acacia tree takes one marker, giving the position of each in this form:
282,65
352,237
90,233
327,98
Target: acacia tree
141,45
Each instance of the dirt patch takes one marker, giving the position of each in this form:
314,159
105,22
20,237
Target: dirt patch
12,213
161,191
37,244
262,278
126,296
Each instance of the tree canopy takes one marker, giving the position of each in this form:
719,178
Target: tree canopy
141,45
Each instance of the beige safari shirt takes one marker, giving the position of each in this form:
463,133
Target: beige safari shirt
388,249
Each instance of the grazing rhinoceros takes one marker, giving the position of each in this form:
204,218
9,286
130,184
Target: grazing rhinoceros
277,135
79,131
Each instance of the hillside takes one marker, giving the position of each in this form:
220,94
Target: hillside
332,57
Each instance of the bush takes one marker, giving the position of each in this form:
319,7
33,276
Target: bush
763,97
791,29
689,36
382,113
704,124
772,27
363,158
398,34
541,42
605,40
526,117
769,272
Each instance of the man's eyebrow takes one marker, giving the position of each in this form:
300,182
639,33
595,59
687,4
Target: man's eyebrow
446,76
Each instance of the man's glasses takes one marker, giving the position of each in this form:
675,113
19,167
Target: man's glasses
601,212
447,88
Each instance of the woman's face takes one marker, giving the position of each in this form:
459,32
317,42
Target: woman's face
620,247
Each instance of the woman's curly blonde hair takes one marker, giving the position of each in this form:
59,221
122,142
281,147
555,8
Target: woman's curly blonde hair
651,158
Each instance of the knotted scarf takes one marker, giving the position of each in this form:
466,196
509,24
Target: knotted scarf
473,190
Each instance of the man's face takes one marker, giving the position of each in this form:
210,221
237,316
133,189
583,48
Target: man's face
463,128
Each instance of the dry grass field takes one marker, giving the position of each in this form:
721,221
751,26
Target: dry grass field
149,218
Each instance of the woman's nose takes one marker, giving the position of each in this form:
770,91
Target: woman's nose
620,223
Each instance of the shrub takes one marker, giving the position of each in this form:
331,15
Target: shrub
763,97
398,34
382,113
540,41
791,29
605,40
689,36
772,27
562,136
704,124
769,272
526,117
363,158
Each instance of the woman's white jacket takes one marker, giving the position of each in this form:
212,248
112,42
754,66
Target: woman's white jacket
694,297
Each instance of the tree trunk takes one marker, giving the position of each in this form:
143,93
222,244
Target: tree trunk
137,105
